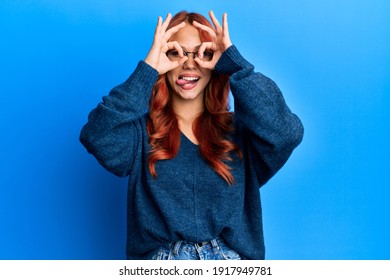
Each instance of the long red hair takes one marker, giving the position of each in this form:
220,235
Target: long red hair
211,128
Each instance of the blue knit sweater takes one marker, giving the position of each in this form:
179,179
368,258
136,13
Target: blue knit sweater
189,200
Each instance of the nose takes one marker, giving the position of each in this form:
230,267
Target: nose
190,63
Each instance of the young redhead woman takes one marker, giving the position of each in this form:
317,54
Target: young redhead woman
194,168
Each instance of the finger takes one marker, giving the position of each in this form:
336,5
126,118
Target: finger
215,21
176,64
166,22
204,64
182,60
158,27
175,45
205,28
203,47
225,26
173,30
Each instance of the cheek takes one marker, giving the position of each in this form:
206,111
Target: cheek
171,79
207,76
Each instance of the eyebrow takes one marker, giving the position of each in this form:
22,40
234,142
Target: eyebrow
185,49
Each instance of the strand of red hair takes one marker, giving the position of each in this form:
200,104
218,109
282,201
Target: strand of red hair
211,128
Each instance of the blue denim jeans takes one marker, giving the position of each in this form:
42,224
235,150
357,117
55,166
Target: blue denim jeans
215,249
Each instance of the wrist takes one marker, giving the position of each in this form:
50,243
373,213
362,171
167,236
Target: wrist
151,64
227,45
152,58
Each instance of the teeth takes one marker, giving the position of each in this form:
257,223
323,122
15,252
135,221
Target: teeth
189,78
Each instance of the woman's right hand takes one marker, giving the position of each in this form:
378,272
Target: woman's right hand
157,57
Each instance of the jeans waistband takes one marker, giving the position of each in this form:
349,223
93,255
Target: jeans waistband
214,244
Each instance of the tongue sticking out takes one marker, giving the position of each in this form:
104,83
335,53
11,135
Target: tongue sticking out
183,81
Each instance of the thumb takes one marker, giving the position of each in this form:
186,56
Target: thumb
204,64
182,60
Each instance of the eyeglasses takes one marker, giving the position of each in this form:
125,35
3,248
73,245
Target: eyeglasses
174,55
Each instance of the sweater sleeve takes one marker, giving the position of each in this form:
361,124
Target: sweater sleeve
262,116
113,132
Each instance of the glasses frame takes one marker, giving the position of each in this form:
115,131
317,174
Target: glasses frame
186,53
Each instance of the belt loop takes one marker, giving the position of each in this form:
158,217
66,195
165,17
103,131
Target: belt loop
215,246
176,248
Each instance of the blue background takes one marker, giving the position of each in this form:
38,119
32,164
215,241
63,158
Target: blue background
331,59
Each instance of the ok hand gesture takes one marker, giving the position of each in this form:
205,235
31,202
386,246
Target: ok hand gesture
220,40
157,55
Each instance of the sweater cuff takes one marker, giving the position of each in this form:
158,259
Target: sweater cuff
132,95
231,61
145,73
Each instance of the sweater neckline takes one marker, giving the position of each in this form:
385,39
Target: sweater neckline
185,138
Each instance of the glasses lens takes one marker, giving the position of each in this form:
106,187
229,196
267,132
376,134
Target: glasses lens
173,55
207,55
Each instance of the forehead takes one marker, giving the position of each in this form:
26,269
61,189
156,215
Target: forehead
187,37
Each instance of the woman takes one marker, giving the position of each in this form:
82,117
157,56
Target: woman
194,168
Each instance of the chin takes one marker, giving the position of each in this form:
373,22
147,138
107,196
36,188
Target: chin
188,95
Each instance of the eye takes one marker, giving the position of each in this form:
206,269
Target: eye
172,53
208,55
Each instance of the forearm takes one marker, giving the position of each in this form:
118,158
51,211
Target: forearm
112,131
131,97
274,131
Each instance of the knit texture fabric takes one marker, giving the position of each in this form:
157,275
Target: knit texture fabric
189,200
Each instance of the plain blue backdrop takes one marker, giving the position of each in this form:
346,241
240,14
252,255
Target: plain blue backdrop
330,58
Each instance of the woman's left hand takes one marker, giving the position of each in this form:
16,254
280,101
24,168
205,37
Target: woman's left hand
220,40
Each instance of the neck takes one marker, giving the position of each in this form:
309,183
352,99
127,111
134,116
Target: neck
188,110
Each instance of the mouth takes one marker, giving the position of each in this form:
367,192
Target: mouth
187,81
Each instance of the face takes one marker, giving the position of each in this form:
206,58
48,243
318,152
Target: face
188,81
